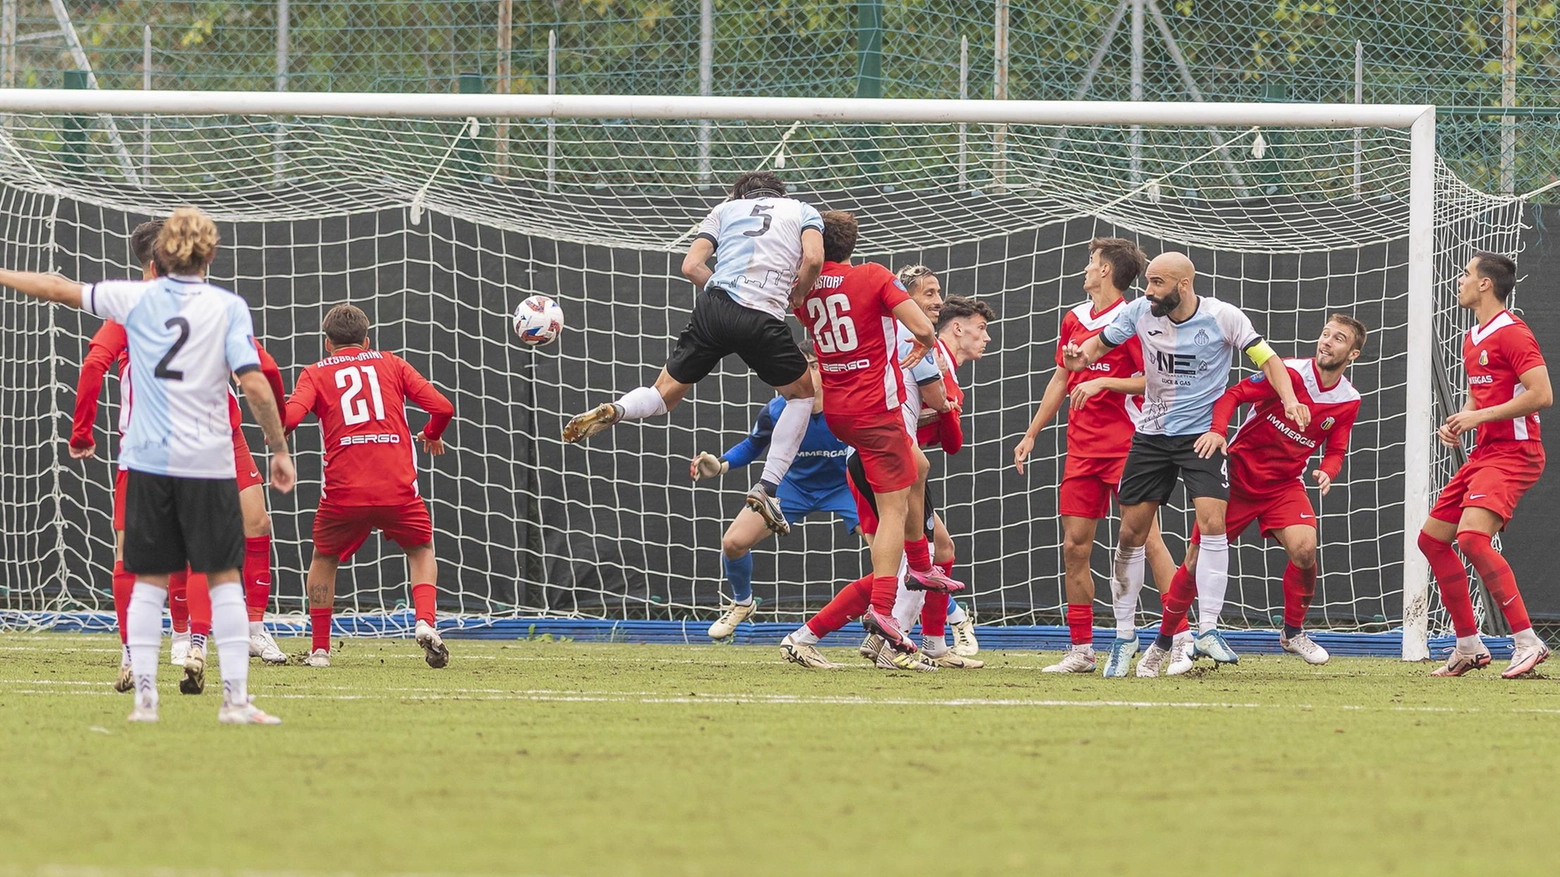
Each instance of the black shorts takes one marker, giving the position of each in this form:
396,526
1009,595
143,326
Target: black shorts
173,522
719,327
857,473
1155,462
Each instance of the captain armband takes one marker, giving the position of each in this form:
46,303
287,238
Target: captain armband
1260,352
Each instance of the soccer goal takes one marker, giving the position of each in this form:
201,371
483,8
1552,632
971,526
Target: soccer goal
438,213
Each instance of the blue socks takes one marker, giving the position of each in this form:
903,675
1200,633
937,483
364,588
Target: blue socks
739,574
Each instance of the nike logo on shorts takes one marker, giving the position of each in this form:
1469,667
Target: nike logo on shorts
254,474
1307,516
1478,496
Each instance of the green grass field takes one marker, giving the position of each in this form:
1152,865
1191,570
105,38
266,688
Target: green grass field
561,759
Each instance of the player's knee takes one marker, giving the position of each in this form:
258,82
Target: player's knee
733,548
1471,541
1429,545
257,526
1303,555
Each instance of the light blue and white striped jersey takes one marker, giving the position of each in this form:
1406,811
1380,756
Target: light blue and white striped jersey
186,337
1187,365
758,248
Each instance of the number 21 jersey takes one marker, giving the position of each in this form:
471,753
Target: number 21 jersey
850,315
359,397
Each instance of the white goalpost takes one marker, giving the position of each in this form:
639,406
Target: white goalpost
408,206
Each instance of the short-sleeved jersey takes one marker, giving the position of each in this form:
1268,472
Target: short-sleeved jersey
915,375
1187,365
849,314
819,466
758,249
360,398
186,337
1269,452
1103,428
930,426
1495,355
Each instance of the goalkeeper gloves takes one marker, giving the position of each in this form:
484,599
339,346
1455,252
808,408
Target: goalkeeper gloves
707,465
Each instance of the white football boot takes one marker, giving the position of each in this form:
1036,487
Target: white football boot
1078,659
263,646
731,615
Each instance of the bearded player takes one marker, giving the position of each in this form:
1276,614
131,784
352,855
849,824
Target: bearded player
851,313
1508,384
1268,458
359,395
1188,344
1105,402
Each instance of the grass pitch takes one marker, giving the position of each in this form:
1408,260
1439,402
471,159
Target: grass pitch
563,759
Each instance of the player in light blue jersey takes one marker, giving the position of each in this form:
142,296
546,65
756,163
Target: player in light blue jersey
185,337
768,249
1189,343
815,483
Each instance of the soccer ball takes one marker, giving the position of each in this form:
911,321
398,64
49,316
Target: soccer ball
538,320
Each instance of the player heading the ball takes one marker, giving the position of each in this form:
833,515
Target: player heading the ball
767,248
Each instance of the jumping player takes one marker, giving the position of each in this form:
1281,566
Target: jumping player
1100,425
359,395
815,483
1188,342
851,312
1268,457
765,246
1508,384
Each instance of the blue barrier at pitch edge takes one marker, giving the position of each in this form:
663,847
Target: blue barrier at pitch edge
1388,644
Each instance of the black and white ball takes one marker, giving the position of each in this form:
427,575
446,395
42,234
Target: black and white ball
538,321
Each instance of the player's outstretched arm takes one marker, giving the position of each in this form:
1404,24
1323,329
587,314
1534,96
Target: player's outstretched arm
1077,357
920,327
105,347
47,287
812,263
743,453
1125,386
263,403
1050,403
1278,375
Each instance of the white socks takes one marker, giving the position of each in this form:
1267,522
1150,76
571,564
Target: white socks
804,634
956,613
1213,576
907,606
786,439
230,630
143,636
1126,582
641,403
1471,645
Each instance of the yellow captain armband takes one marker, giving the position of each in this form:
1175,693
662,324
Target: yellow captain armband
1260,352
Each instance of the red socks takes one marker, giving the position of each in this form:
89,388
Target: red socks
1080,623
849,603
200,604
124,583
884,590
934,614
178,601
319,628
1497,575
1177,600
1299,588
424,596
1452,580
919,554
257,575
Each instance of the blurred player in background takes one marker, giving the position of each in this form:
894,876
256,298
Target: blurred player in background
359,396
765,246
1508,384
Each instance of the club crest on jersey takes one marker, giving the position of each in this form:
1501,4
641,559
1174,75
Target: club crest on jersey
1484,357
1328,422
1201,337
900,286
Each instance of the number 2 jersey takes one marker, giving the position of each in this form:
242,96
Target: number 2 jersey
850,315
360,398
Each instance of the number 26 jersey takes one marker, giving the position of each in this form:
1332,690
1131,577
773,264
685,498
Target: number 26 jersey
849,313
360,398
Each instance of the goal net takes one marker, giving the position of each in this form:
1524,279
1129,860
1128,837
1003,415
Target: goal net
437,226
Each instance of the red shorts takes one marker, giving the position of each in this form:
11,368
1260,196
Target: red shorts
244,462
1495,477
1088,483
340,531
1289,507
121,477
886,450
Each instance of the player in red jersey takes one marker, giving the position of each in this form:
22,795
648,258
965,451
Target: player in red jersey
1104,402
962,337
359,396
1508,384
1268,457
190,608
851,311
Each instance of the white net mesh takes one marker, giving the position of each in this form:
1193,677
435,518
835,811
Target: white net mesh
437,233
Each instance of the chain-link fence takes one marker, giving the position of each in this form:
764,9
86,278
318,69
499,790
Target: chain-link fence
1471,57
